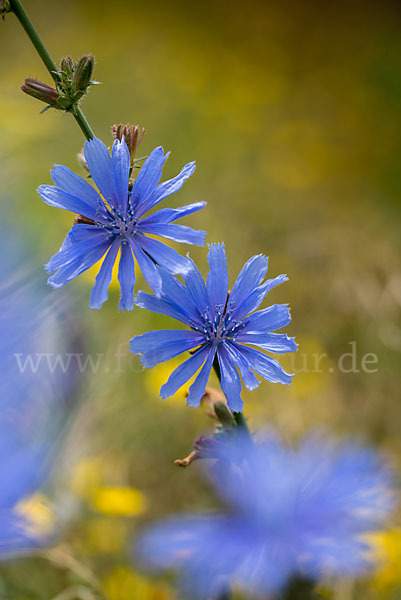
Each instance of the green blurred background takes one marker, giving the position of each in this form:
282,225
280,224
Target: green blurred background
292,111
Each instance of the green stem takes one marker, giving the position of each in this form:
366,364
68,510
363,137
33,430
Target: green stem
238,416
48,61
241,422
83,123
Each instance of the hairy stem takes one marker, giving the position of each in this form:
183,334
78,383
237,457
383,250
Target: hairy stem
22,16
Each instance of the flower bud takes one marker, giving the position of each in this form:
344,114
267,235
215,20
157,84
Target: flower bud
206,446
67,65
4,7
132,136
224,414
82,160
83,73
41,91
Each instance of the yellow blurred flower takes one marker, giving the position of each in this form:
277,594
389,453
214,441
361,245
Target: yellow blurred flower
123,584
120,501
39,516
88,482
386,547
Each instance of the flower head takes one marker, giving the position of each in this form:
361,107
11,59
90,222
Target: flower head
289,512
221,325
114,219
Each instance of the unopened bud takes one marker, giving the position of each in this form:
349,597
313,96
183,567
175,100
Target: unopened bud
82,161
133,136
224,414
206,446
83,73
41,91
67,65
4,7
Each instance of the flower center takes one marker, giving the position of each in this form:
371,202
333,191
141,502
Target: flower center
121,225
218,324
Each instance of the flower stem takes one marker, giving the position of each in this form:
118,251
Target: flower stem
238,416
83,123
241,422
300,588
22,16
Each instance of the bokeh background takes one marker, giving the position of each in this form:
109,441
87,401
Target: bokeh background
292,110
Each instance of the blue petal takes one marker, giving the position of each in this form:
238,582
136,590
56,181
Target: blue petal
99,164
249,378
230,380
99,292
268,319
267,367
166,188
167,215
126,277
163,255
202,547
161,306
153,339
120,160
197,289
170,348
79,233
179,296
250,277
256,297
177,233
73,250
148,267
183,372
77,266
75,185
197,389
16,536
146,181
217,280
272,342
55,196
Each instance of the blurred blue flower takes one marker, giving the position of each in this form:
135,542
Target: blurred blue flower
290,513
221,324
114,219
32,394
23,469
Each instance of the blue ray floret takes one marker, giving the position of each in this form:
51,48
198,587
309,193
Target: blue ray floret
221,325
288,513
115,219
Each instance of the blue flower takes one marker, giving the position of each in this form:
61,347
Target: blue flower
22,471
32,394
115,218
289,513
221,325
